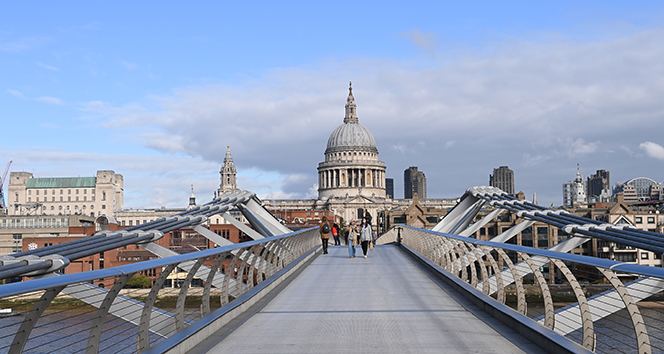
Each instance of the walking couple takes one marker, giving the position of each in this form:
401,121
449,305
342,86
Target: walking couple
362,233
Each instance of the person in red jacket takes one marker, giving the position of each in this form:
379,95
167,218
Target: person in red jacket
335,234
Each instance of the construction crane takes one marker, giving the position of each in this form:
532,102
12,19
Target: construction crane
2,183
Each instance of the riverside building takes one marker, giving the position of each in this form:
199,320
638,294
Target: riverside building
102,194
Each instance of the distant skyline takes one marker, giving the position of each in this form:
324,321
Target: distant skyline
156,91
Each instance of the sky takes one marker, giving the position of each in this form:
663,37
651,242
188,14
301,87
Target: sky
156,91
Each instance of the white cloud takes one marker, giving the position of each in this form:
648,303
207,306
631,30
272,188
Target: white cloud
15,93
128,65
529,160
653,150
49,100
22,44
423,40
577,147
48,67
449,144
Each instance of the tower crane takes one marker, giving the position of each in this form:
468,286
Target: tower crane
2,183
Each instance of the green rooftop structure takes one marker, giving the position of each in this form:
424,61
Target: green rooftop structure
62,182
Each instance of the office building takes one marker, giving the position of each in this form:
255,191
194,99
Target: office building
599,187
389,187
414,181
503,178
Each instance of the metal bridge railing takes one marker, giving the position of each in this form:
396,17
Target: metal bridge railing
603,305
67,313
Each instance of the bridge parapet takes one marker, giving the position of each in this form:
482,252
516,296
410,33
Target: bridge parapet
585,301
67,313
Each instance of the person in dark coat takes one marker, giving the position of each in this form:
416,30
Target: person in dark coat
325,230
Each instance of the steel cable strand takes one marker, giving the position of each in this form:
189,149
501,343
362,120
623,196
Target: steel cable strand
45,265
655,241
609,235
22,335
96,329
110,325
92,251
629,242
547,219
535,205
108,242
611,229
575,219
68,301
73,334
494,202
629,330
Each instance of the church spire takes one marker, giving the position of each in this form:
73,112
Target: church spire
351,108
228,174
192,199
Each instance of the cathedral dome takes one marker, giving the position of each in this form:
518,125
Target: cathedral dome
351,136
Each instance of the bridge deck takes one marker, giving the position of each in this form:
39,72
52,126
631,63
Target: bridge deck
383,304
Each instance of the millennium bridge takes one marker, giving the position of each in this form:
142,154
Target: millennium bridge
418,291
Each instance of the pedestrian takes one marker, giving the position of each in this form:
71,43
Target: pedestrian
367,216
365,236
325,233
352,231
335,234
